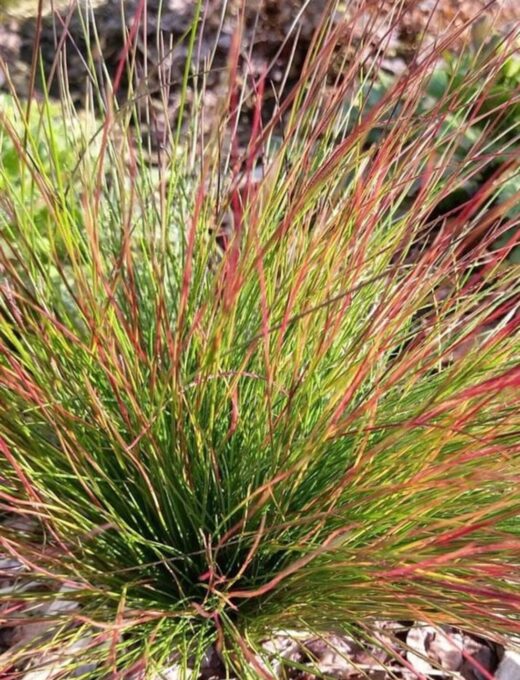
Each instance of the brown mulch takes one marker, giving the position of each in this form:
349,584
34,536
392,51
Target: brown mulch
404,24
392,651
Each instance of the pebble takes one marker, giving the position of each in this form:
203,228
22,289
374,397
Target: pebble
509,667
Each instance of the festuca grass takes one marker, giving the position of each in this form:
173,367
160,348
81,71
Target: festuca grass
261,383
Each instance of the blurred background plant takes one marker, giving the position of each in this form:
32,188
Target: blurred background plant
480,84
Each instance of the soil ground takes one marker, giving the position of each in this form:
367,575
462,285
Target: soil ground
405,24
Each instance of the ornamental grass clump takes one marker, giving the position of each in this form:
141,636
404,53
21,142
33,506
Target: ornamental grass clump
262,383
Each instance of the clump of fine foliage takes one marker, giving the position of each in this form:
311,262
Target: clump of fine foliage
238,397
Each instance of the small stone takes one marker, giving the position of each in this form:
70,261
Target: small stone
8,564
418,640
278,648
56,665
446,650
509,667
173,673
479,653
332,651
